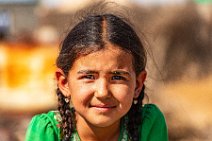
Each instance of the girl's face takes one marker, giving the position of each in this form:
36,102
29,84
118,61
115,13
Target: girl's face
102,86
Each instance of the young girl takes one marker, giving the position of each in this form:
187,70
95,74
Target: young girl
101,72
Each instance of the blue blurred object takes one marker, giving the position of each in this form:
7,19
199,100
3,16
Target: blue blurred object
18,1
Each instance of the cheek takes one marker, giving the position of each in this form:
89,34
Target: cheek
80,94
124,94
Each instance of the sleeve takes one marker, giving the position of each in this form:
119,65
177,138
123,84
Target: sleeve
154,126
41,128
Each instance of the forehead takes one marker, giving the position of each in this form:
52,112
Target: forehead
110,57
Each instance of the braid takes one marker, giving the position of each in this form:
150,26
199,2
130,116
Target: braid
67,124
134,116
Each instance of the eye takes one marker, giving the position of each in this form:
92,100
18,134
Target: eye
118,77
88,77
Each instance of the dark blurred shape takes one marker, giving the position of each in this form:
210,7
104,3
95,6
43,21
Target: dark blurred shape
17,16
189,44
5,22
13,126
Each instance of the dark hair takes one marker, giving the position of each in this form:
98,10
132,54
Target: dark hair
92,34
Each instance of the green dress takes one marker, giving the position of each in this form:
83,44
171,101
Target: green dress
44,127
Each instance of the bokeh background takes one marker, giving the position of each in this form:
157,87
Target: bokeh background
178,38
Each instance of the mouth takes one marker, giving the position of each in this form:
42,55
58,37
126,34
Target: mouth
103,107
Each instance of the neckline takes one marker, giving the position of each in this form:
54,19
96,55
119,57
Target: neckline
123,132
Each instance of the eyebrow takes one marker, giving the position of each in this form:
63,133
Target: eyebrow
87,72
120,72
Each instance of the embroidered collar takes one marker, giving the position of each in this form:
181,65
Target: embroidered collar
124,136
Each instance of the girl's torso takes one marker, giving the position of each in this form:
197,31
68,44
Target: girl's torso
46,126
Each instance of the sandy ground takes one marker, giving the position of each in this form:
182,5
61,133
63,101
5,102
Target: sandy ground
187,106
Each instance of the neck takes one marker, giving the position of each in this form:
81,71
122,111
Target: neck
89,132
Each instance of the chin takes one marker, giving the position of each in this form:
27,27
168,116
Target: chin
104,122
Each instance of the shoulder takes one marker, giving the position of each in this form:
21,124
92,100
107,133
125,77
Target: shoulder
153,124
43,127
151,112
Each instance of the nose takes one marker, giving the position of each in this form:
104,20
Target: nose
102,89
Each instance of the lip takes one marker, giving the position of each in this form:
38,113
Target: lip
98,106
103,108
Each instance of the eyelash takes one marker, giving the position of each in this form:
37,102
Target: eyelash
88,77
114,77
118,77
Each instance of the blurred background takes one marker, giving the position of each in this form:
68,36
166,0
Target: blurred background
178,38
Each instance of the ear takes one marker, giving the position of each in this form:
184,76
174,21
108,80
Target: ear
139,83
62,82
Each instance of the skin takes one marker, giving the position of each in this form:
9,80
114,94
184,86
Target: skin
102,86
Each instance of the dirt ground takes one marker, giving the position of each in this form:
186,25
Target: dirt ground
187,107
